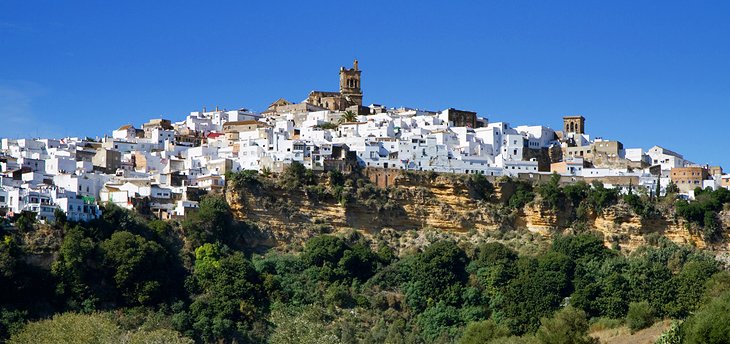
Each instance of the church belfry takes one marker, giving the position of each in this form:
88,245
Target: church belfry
349,97
574,124
350,84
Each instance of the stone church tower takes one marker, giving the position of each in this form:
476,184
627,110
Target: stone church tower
574,124
350,84
350,95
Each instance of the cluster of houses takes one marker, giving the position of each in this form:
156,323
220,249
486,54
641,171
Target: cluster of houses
163,167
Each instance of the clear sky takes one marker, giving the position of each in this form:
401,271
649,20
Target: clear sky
642,72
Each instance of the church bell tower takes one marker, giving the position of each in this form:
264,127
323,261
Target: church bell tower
350,84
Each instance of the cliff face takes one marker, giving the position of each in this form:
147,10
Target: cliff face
443,204
439,202
619,222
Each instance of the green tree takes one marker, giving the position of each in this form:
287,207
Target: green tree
138,266
60,217
551,192
25,220
323,249
73,271
230,302
359,261
439,320
581,247
536,291
212,222
494,266
437,273
11,322
690,285
651,281
601,288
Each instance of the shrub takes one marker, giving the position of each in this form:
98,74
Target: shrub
69,328
640,316
711,324
673,335
569,325
479,187
482,332
523,195
91,328
551,192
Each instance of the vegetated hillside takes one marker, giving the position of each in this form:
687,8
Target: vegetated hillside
302,258
291,208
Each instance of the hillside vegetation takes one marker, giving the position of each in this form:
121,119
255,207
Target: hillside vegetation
305,258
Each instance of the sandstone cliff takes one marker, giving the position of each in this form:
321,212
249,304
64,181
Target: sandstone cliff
438,202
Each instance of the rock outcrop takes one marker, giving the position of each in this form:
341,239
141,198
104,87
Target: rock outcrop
430,201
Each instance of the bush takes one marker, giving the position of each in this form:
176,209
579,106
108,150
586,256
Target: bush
295,176
339,296
640,316
479,187
600,198
703,211
523,195
551,192
244,179
711,324
673,335
569,325
482,332
69,328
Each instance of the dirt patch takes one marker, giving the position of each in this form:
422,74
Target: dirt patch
621,335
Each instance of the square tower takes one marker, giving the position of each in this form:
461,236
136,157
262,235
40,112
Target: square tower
574,124
350,84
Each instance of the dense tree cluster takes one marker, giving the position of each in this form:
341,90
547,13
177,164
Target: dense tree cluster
703,211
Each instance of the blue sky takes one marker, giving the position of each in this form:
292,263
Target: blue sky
642,72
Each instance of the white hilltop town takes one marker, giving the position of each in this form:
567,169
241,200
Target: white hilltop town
164,165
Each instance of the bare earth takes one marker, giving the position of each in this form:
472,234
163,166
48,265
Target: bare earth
622,334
